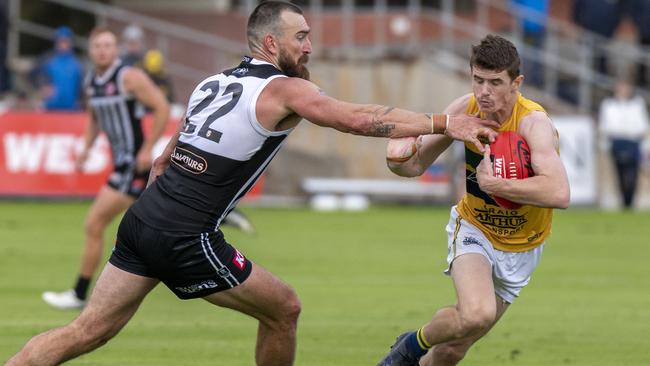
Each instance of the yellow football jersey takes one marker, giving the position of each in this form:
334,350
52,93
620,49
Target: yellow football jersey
510,230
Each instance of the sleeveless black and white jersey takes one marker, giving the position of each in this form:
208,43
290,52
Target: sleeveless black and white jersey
221,153
117,113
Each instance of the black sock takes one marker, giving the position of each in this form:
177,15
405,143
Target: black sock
81,288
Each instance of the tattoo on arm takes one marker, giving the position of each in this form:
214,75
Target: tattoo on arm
379,127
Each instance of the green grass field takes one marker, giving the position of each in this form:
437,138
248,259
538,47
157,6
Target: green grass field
362,278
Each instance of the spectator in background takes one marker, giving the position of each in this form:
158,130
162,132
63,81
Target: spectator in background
154,64
601,17
133,44
4,23
624,122
59,75
532,17
639,11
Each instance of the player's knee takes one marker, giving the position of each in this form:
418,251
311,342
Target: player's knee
94,227
286,315
476,320
445,354
292,307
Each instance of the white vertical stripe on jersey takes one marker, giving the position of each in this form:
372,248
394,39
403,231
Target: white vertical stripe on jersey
107,126
128,128
119,133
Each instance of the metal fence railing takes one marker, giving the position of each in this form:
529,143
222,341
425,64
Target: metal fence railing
441,30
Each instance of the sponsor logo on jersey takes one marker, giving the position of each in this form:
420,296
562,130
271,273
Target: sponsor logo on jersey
198,287
110,89
189,161
470,240
500,221
239,260
241,71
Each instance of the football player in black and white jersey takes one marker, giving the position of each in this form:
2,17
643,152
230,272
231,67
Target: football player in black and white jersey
236,122
116,96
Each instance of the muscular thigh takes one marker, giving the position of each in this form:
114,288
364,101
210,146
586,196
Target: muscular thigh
115,298
258,295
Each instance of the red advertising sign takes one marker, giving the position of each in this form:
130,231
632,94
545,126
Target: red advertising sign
38,151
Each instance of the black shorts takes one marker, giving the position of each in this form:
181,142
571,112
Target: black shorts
191,266
128,180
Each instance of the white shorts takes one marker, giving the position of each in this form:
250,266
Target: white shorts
511,271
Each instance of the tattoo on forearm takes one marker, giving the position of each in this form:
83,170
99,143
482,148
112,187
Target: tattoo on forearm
379,127
429,115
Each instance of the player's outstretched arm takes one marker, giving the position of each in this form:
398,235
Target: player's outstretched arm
305,99
549,187
410,157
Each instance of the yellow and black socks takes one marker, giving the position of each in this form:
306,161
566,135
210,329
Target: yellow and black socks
417,343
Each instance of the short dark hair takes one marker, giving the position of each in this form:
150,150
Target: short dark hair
264,18
496,53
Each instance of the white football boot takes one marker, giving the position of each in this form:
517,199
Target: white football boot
66,300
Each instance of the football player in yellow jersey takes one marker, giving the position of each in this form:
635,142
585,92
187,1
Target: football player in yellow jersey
492,251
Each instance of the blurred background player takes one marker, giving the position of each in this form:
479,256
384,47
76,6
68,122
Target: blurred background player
624,125
59,74
133,46
490,259
117,95
153,64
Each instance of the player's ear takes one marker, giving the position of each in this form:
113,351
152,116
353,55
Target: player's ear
271,44
516,83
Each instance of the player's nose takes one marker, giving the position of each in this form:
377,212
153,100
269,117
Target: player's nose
306,48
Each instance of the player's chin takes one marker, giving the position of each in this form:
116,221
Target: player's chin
487,109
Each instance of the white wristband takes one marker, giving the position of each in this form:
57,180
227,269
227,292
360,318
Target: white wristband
446,124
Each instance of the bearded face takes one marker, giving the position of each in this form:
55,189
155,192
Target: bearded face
293,68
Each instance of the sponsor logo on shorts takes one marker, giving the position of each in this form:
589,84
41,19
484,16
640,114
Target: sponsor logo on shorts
500,221
223,272
533,237
138,184
469,240
189,161
239,260
205,285
115,178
